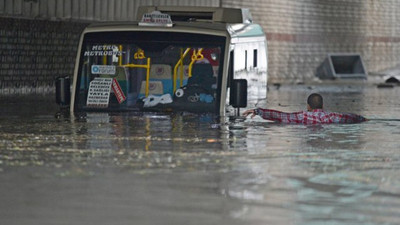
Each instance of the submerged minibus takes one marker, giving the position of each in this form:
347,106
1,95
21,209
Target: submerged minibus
194,59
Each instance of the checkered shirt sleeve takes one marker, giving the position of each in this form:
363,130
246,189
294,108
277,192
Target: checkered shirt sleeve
279,116
317,116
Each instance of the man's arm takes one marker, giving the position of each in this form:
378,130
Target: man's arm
248,112
351,118
270,114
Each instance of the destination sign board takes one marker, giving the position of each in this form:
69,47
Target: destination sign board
156,18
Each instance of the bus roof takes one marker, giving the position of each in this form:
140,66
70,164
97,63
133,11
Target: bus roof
236,23
220,29
178,24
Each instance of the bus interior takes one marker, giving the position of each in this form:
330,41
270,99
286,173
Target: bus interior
149,71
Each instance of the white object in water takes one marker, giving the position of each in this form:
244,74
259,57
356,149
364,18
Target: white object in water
153,100
165,99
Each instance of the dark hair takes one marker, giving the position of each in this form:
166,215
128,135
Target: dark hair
315,101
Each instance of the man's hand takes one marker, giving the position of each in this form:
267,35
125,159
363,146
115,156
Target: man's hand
248,112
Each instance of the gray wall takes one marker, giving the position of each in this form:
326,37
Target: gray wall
34,52
86,10
302,32
39,37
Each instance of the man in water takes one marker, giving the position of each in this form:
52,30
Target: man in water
314,114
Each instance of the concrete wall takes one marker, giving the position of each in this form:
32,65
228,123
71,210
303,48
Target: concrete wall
38,38
302,32
86,10
34,52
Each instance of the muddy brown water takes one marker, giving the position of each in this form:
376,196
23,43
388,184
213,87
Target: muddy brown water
195,169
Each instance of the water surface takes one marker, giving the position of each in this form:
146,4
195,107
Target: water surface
195,169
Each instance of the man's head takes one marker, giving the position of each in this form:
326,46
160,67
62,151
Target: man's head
315,101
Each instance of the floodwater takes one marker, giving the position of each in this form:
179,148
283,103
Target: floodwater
189,169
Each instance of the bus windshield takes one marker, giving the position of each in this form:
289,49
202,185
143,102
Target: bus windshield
149,71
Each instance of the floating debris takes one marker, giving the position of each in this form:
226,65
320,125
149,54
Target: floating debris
385,85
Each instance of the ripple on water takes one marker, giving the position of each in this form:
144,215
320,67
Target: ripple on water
170,169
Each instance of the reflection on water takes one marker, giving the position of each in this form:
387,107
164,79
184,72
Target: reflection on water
195,169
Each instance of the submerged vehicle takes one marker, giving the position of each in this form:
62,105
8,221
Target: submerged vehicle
195,59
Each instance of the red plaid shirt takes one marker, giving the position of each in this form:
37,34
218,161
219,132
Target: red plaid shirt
317,116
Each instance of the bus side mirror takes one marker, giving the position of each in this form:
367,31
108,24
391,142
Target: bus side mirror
238,93
63,92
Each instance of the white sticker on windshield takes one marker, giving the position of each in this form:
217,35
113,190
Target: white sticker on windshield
99,69
104,50
99,92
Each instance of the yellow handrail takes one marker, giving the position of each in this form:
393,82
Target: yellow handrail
120,55
140,55
195,57
136,65
147,67
179,63
147,77
104,60
181,71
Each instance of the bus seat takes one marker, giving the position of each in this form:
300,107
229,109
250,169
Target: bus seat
185,75
155,88
162,73
203,76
